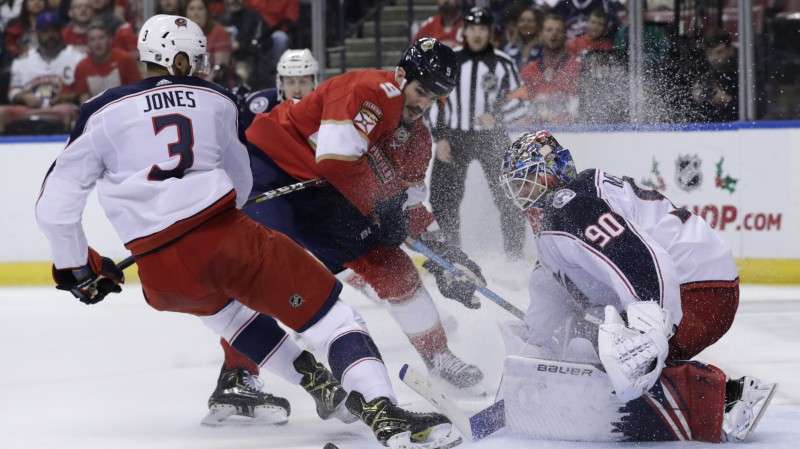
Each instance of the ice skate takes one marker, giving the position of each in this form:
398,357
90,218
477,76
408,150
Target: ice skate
397,428
323,387
745,408
452,371
238,400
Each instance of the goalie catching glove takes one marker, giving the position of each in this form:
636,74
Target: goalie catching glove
459,288
91,282
634,355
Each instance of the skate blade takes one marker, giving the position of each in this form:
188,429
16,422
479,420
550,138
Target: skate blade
343,414
220,415
443,436
762,408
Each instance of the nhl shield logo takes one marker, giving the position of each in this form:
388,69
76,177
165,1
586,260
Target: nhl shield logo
688,172
296,300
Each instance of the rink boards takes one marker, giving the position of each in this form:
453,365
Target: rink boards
741,178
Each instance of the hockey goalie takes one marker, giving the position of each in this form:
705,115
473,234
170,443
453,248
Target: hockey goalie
627,290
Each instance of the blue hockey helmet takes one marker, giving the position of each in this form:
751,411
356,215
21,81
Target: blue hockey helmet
433,64
533,165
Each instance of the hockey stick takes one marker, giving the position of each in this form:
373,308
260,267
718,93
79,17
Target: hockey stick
280,191
419,247
475,427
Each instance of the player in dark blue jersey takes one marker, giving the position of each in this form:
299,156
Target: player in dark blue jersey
298,75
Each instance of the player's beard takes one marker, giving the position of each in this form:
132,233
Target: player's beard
411,114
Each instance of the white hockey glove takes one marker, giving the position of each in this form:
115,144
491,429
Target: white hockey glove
634,355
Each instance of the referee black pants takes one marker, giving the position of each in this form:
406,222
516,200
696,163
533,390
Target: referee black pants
448,183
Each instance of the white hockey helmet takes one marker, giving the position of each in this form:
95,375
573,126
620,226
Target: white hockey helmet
296,63
162,37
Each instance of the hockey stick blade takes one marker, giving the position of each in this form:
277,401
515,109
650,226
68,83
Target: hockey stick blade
422,385
494,297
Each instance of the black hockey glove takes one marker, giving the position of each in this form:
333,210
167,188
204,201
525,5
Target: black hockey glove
393,222
459,288
91,282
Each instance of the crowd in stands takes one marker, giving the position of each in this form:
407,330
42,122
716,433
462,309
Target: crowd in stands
56,54
571,55
572,58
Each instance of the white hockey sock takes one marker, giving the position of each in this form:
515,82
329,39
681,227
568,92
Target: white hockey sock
419,320
352,354
281,361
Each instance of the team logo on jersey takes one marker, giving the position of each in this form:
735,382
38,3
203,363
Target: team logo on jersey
181,22
163,83
296,300
490,82
401,135
372,107
562,197
365,120
688,172
259,105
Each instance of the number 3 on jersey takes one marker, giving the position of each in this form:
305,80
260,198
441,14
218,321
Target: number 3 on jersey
181,148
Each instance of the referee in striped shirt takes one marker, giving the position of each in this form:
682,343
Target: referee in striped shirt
470,125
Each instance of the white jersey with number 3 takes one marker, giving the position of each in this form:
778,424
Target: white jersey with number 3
607,240
160,151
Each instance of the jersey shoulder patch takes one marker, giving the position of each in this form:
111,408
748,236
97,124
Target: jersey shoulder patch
562,197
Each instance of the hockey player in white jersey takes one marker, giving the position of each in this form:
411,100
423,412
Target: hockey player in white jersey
168,158
665,281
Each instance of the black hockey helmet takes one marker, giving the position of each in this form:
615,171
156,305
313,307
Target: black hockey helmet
479,16
433,64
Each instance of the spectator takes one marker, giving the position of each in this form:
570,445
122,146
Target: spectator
447,27
595,36
80,14
551,80
170,7
124,37
471,125
9,9
218,41
576,14
20,34
656,46
716,92
250,43
526,45
105,67
41,81
281,16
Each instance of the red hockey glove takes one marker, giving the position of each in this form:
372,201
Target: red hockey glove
91,282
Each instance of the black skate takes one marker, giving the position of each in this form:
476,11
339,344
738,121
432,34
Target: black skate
401,429
238,400
323,387
455,372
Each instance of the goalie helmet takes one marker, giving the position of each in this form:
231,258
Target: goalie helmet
162,37
533,165
296,63
433,64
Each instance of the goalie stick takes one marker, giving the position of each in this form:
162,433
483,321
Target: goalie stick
494,297
280,191
475,427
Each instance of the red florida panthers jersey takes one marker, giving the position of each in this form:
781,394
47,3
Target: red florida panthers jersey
329,134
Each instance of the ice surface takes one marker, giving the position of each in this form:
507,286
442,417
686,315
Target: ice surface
121,375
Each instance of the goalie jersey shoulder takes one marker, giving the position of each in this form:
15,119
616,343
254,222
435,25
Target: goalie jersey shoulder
571,209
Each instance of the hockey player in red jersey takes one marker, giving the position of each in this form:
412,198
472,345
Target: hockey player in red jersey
362,132
171,177
606,243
